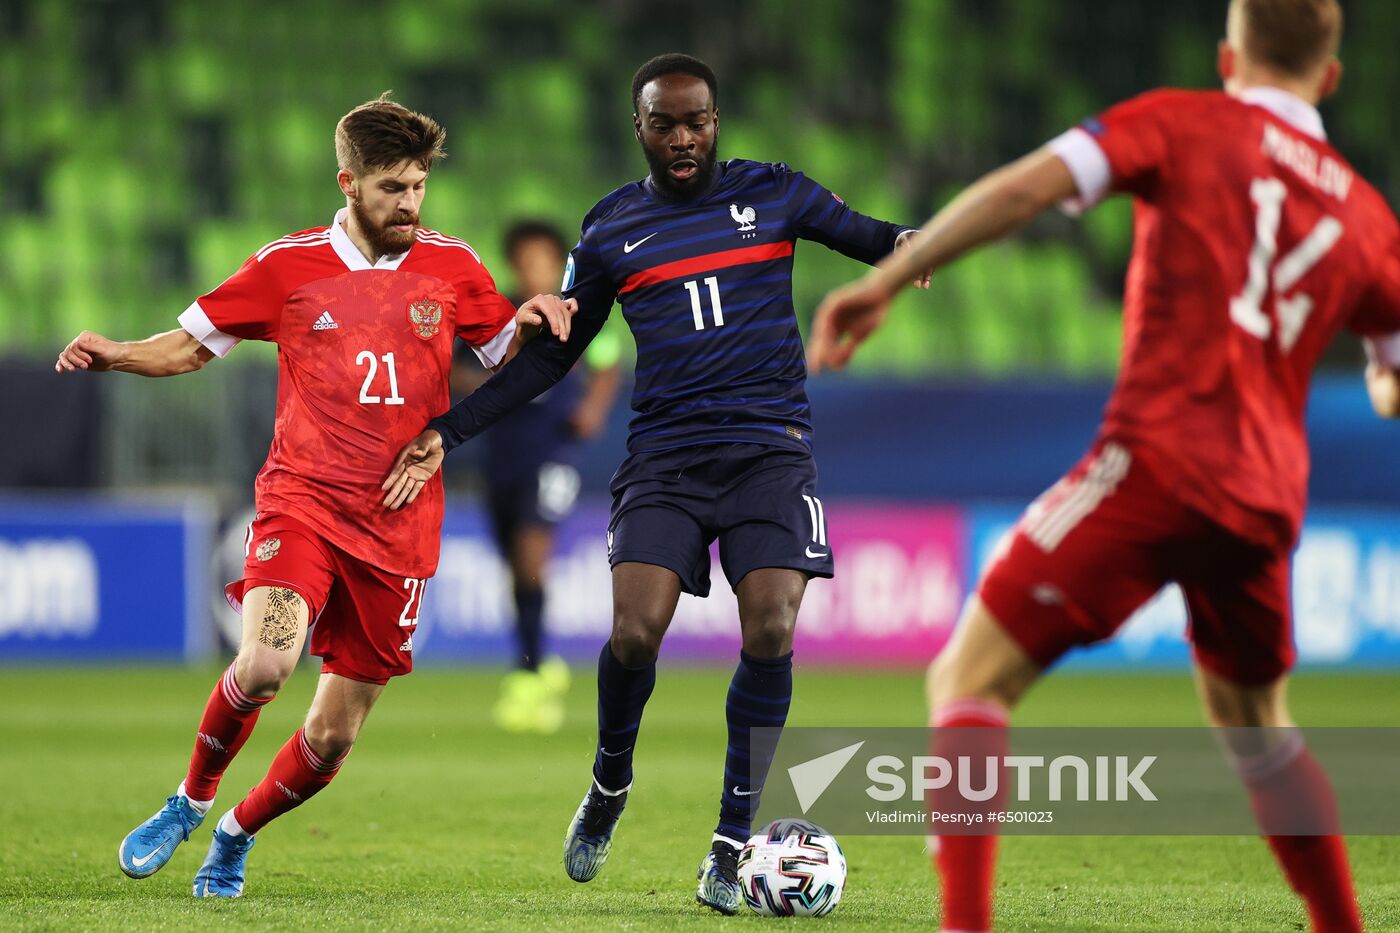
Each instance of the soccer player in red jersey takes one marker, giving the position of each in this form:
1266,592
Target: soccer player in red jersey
363,313
1254,244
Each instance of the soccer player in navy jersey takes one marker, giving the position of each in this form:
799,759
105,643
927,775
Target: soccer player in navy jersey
700,255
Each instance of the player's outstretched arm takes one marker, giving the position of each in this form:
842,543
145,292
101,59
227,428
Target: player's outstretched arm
994,206
538,366
169,354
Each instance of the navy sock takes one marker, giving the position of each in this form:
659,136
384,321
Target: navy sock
759,696
529,624
622,695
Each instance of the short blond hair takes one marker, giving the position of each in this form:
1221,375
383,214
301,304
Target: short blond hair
1292,37
380,134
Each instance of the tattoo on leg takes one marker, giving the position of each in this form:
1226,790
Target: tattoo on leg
279,624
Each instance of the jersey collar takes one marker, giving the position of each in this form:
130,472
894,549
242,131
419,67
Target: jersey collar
350,254
1288,107
649,185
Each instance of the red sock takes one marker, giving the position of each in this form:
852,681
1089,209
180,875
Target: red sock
967,863
228,720
1297,810
296,774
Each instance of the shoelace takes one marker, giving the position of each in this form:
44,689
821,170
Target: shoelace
221,871
157,832
599,812
727,862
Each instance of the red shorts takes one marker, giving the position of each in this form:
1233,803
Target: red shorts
1103,540
362,617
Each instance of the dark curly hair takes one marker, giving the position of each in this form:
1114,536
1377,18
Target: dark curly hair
674,63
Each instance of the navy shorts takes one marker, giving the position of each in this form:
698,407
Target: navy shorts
760,502
537,494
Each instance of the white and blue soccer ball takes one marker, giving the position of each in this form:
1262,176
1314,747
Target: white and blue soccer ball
792,868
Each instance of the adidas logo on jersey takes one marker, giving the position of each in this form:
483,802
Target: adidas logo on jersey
325,322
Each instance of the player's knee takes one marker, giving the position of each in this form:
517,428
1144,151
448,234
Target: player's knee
768,614
770,635
261,675
329,737
951,677
1231,706
636,640
942,685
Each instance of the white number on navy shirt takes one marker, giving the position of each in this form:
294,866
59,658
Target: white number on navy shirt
693,286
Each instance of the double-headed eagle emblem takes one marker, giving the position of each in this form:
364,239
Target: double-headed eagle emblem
425,315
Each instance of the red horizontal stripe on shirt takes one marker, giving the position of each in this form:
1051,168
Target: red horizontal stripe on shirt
705,263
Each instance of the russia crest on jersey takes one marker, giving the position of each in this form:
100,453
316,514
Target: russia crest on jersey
425,315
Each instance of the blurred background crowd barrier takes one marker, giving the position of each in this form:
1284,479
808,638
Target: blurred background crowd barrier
149,147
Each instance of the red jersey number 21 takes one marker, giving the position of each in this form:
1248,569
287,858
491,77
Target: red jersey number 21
1268,195
366,358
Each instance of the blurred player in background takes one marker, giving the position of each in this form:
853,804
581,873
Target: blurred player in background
532,481
700,254
363,313
1254,244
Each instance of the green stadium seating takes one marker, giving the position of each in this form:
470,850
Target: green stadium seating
170,143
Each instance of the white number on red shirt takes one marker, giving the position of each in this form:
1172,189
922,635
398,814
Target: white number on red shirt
415,589
366,358
1268,195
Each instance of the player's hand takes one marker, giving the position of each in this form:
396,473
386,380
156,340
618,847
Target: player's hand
546,311
1383,386
844,320
412,469
90,351
902,242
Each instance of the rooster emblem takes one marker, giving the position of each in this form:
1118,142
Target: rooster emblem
744,218
425,316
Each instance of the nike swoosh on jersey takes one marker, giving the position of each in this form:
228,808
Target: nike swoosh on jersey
141,862
615,754
744,793
628,247
816,554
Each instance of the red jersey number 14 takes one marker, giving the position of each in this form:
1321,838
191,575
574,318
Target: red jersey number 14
1268,195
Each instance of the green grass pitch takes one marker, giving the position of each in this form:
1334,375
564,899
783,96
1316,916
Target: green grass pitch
440,822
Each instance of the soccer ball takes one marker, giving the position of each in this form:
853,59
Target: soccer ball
792,868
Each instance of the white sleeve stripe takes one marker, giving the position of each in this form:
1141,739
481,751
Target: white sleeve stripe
197,323
1384,350
439,239
1086,161
292,238
494,350
286,244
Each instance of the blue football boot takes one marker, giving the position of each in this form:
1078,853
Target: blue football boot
221,875
147,848
589,840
